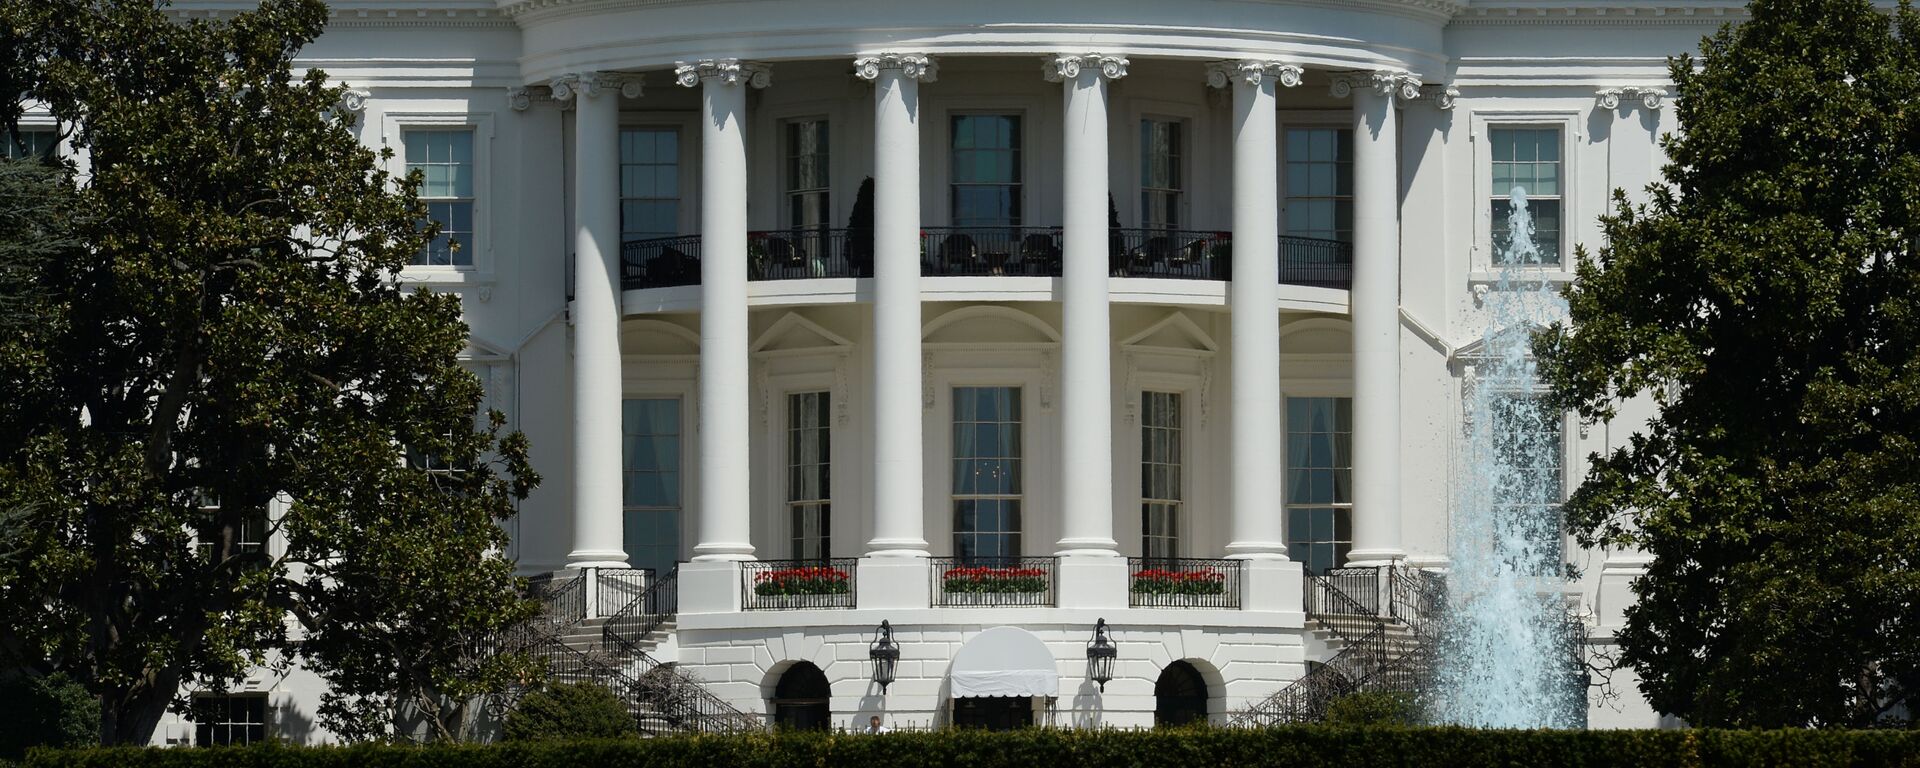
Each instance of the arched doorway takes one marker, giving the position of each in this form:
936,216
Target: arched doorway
1179,696
800,699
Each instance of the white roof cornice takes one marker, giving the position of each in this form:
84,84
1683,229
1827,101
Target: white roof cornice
534,10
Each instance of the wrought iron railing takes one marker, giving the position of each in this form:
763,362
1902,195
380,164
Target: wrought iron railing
1169,253
614,588
661,698
990,251
562,600
1306,699
980,252
1316,262
798,254
1384,650
629,626
1157,582
660,262
795,584
1357,585
993,581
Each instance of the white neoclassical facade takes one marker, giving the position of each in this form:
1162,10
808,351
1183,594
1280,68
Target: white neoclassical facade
1136,286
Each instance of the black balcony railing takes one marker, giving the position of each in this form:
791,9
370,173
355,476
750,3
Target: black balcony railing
993,581
798,254
797,584
1158,582
982,252
661,262
1169,253
1315,262
989,251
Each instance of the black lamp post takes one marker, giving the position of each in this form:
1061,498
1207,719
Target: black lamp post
885,655
1100,656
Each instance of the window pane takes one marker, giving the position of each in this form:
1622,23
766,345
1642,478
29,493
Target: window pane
1318,476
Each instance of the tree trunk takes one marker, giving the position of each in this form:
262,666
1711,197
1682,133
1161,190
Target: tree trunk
129,715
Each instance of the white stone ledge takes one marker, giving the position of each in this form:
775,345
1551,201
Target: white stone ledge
771,623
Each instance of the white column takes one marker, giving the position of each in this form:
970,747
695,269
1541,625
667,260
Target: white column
899,519
723,532
1376,312
597,503
1254,299
1086,360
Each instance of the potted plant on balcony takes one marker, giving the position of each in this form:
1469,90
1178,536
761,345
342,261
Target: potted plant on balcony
976,584
1179,587
800,581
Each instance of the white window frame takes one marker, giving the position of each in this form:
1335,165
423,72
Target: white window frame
1198,200
833,179
1572,212
1017,365
1182,188
778,528
1183,523
672,376
266,716
1307,119
393,127
936,166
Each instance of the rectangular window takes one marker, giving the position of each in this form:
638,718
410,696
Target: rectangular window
1161,172
649,182
986,473
1319,481
445,158
1319,200
249,537
986,170
650,431
28,142
1160,474
229,720
809,475
1527,458
1526,159
809,204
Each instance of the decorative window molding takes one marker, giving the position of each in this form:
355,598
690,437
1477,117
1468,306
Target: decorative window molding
395,121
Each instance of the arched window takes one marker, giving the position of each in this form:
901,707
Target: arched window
1180,695
800,699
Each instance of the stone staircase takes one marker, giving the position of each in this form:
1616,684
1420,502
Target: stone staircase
614,651
1380,628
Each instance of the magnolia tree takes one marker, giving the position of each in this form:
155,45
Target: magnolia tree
221,355
1767,300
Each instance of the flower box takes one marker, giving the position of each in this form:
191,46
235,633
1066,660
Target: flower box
805,580
1156,581
988,580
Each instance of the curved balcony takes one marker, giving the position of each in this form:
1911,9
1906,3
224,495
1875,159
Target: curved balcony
983,252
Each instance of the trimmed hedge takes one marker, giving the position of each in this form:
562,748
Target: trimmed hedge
1173,748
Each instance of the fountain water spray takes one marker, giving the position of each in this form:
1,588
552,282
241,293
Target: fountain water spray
1505,659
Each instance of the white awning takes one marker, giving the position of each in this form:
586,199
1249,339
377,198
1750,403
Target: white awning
1004,661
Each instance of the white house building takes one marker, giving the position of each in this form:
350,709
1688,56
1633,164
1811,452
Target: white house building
1187,288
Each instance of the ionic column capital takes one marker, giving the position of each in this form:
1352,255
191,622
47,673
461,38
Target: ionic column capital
724,71
1221,74
914,66
1066,66
1442,96
591,85
1384,82
1611,98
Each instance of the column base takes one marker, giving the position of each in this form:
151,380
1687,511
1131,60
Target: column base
1092,581
1272,585
723,552
1374,558
891,582
596,558
1257,550
710,586
897,548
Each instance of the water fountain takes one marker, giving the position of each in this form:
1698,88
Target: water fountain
1505,659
